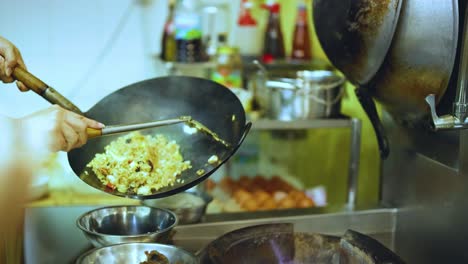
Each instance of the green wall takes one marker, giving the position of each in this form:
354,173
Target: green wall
322,157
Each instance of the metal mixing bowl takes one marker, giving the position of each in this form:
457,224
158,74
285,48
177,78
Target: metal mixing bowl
189,206
135,253
123,224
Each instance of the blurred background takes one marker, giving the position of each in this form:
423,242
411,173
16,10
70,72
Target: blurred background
88,49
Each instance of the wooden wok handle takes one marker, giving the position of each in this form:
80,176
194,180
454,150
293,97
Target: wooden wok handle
92,132
42,89
31,81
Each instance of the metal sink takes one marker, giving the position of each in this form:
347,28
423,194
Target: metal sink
51,235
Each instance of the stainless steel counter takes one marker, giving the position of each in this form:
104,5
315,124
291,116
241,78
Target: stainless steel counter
51,235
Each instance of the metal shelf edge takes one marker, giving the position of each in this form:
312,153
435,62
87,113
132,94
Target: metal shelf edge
266,124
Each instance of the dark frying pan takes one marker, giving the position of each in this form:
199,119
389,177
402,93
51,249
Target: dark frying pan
356,35
280,243
155,99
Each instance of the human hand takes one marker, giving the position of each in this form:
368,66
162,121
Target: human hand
56,129
10,57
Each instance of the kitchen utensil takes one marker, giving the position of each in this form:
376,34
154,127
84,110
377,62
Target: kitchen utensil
206,101
135,253
279,243
356,36
322,92
312,95
44,90
270,243
123,224
420,59
189,206
360,248
110,130
284,101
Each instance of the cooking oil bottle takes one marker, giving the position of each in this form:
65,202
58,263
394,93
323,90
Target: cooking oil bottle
168,45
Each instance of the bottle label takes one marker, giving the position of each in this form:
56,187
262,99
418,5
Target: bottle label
187,28
227,77
188,33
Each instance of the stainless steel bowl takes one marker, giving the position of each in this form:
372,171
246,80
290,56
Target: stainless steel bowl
134,253
189,206
123,224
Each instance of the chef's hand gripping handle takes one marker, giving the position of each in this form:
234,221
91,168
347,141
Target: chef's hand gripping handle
369,106
42,89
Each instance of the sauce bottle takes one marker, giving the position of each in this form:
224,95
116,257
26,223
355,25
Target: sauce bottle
188,33
168,43
228,70
301,49
246,33
273,46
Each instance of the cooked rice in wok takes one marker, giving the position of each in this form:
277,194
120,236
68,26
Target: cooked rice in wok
139,163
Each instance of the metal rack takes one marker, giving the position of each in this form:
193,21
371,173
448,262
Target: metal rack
355,126
284,68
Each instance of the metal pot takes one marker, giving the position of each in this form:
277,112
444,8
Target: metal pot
312,95
322,92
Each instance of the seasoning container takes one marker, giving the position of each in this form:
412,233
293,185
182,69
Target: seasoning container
228,69
273,45
168,43
247,32
188,33
301,48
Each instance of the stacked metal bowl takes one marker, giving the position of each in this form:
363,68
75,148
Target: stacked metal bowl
130,234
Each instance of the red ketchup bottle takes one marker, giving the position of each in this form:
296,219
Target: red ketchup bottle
301,48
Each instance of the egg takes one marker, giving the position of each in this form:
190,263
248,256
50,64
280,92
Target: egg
261,196
210,184
226,184
278,196
297,195
287,203
241,196
305,203
269,204
250,205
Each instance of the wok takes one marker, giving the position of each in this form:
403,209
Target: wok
279,243
356,35
418,62
162,98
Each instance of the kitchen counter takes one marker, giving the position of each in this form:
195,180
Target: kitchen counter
70,197
51,236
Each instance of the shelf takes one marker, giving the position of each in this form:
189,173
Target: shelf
265,124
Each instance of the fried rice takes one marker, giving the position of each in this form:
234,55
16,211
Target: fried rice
140,164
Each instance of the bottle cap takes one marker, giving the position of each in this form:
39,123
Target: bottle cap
272,6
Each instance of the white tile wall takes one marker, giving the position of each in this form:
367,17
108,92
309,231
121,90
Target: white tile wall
61,40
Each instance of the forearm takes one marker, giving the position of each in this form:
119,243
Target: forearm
15,173
8,140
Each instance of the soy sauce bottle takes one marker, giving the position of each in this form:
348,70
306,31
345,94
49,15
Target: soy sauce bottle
188,33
